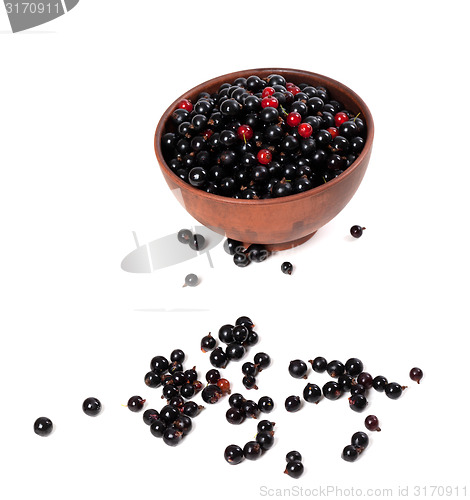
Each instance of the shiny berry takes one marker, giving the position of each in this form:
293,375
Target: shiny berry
43,426
312,393
350,453
135,403
172,436
244,132
372,423
394,390
262,360
365,379
294,119
334,132
267,92
157,427
265,439
266,404
249,382
211,394
233,454
264,156
269,102
340,118
331,390
185,104
294,469
360,440
335,368
213,376
236,400
358,402
224,385
353,366
305,130
356,231
150,416
235,416
298,368
91,406
379,383
293,404
208,343
416,374
287,268
252,450
319,364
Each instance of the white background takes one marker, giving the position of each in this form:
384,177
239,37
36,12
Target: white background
80,100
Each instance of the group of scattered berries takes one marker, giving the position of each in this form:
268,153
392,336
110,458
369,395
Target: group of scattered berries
261,138
350,377
261,361
294,467
241,408
238,338
252,450
359,442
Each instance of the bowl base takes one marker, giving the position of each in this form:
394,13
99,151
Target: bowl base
276,247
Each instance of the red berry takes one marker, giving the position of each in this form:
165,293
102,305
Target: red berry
293,119
207,133
293,89
186,104
340,118
267,91
333,131
305,130
244,132
224,385
264,156
269,102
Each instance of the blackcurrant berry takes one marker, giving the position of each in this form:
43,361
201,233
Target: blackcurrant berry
350,453
43,426
265,425
235,416
91,406
149,416
372,423
345,382
249,369
184,235
240,333
159,364
356,231
252,450
235,351
353,366
293,404
335,368
365,379
135,403
379,383
251,409
265,439
211,394
218,358
249,382
312,393
287,268
266,404
208,343
236,400
416,374
294,469
394,390
331,390
212,376
358,402
169,414
233,454
319,364
172,436
191,409
157,427
183,424
298,368
360,440
262,360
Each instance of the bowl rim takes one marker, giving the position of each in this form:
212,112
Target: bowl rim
316,191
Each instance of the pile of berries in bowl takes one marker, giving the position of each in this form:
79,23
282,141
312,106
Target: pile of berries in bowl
265,156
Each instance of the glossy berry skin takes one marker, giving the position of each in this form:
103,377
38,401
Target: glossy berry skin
298,368
236,400
358,402
177,355
353,366
372,423
357,389
365,379
287,268
356,231
197,242
331,390
265,439
184,235
159,364
172,436
264,156
244,132
312,393
91,407
157,428
252,338
293,404
262,360
212,376
187,390
345,382
169,414
240,258
135,403
360,440
379,383
293,456
149,416
249,382
43,426
269,102
249,369
235,351
245,321
265,425
224,385
251,409
257,253
305,130
252,450
235,416
240,333
393,390
211,394
185,104
319,364
233,454
350,453
231,246
340,118
191,409
218,358
226,334
152,380
416,374
266,404
335,368
294,469
177,402
183,424
293,119
208,343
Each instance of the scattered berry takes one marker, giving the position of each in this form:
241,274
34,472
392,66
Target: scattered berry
234,454
379,383
293,404
266,404
135,403
372,423
150,416
211,394
191,280
394,390
416,374
312,393
335,368
235,416
319,364
265,439
331,390
184,235
358,402
298,368
356,231
91,406
43,426
252,450
294,469
262,360
287,268
350,453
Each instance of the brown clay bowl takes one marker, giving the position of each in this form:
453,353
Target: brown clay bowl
278,223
